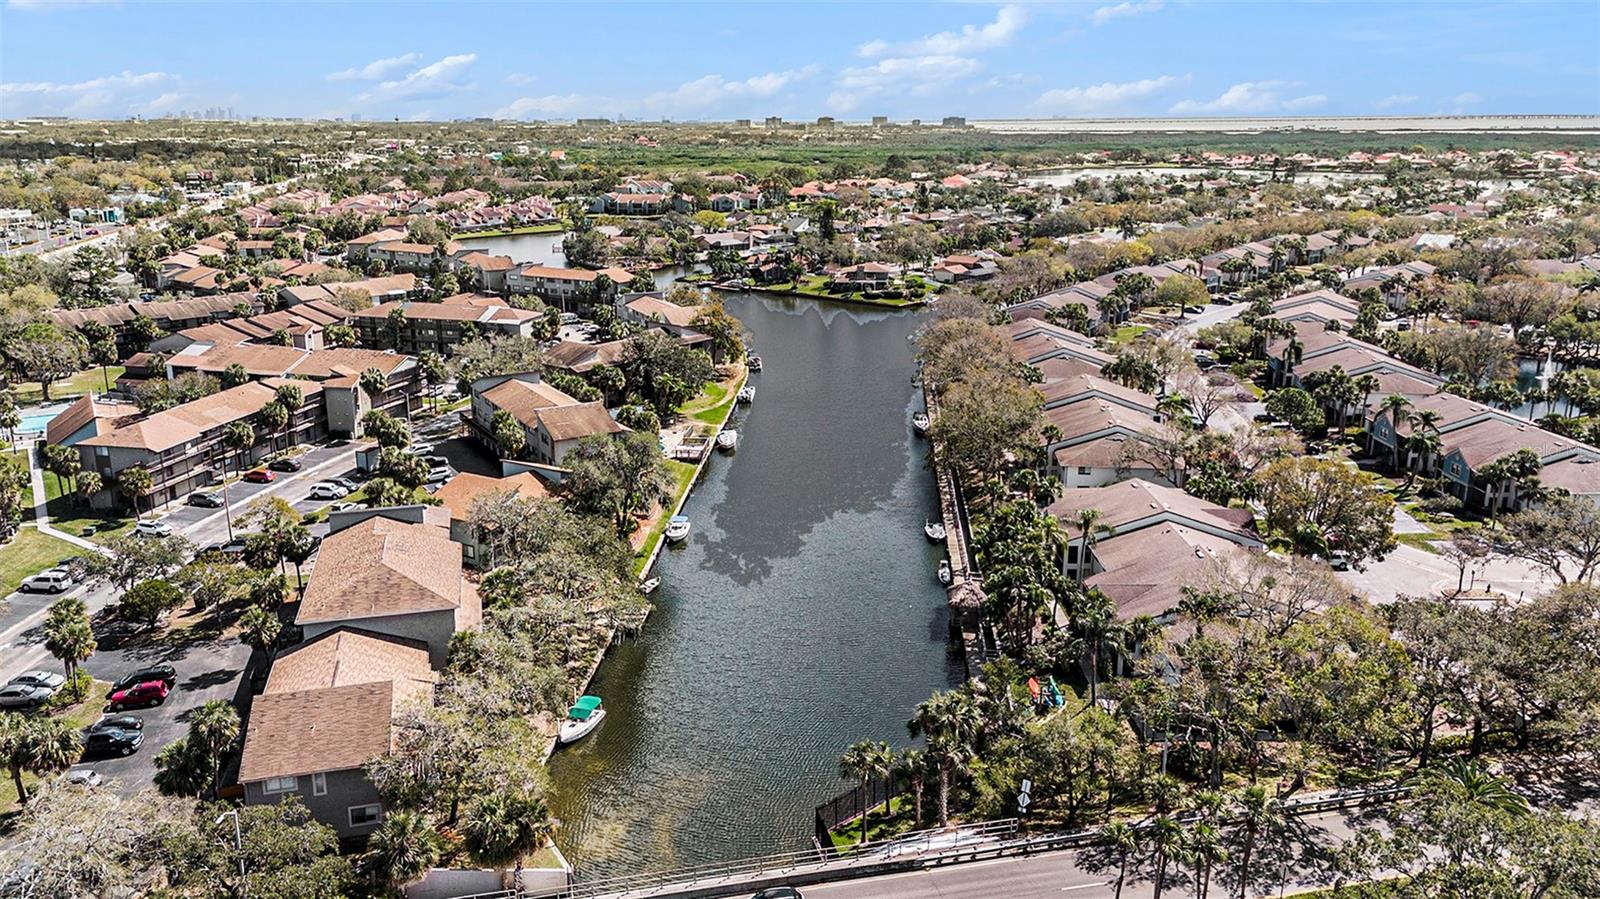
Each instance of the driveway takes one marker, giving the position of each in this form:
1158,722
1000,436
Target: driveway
1413,572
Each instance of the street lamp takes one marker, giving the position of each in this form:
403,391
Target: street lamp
238,845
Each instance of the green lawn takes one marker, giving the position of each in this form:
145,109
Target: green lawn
71,387
81,715
547,228
69,514
29,553
1127,333
816,286
879,827
682,477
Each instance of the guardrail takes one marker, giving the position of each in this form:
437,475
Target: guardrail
937,846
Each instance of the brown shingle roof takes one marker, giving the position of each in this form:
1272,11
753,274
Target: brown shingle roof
458,493
380,568
310,731
344,657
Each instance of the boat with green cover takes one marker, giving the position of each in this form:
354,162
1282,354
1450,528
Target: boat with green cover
584,716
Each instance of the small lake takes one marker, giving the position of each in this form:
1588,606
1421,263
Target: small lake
1066,176
545,249
801,615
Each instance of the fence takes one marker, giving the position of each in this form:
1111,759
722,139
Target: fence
849,805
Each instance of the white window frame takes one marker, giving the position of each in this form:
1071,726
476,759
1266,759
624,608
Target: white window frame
319,784
377,814
275,785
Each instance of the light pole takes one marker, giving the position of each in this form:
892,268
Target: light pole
238,846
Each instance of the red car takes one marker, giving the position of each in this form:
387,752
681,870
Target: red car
152,692
259,476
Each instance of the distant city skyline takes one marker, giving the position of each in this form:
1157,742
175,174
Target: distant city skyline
685,62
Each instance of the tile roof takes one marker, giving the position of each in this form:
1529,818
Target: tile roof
458,493
189,421
1126,503
1146,570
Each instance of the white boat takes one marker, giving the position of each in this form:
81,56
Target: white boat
919,423
677,529
728,440
754,362
934,530
946,577
584,716
649,587
746,395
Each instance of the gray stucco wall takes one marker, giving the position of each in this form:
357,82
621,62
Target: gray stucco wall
433,628
345,790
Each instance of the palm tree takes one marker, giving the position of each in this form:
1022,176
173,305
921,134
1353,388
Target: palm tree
1095,619
1090,529
260,628
1256,810
1203,848
69,636
134,482
504,827
951,723
1425,440
913,763
291,397
402,849
1472,783
860,763
212,730
1124,841
1394,405
238,436
274,416
39,746
1166,837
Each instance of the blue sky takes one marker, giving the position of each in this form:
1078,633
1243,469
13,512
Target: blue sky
748,60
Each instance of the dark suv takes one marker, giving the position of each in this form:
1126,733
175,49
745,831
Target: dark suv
115,735
285,465
164,673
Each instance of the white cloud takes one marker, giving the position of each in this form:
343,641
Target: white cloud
550,106
1110,95
713,89
1248,97
164,102
376,69
1008,21
921,76
54,5
519,78
1467,99
432,80
1394,100
1106,13
111,94
1308,102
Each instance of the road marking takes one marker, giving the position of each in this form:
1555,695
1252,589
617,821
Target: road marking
1086,886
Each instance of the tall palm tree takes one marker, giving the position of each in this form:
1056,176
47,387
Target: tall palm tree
212,730
1394,405
860,763
883,767
1089,530
504,827
238,437
951,723
1471,782
134,482
39,746
402,849
1203,849
291,397
69,636
1165,836
1095,619
1124,840
913,764
1256,810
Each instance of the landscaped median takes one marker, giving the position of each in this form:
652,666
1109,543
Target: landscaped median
30,552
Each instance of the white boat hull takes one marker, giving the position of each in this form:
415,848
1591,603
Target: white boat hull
572,731
677,535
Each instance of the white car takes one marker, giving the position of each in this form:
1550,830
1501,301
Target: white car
328,490
343,507
83,777
441,474
53,580
153,529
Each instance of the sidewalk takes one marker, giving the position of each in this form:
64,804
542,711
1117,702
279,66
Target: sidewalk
41,514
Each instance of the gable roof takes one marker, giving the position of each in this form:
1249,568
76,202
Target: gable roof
458,493
380,568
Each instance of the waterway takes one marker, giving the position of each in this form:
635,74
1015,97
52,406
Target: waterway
545,249
800,616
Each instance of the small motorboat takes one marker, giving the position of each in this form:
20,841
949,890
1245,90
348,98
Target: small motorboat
584,716
728,440
946,576
754,362
677,528
649,587
746,395
934,530
919,423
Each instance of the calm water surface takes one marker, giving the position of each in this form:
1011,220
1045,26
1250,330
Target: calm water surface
801,615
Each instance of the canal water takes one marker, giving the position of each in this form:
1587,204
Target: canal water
545,249
801,615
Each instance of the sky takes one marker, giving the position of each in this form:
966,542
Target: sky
720,61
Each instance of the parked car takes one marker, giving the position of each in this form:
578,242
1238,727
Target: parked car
83,777
125,722
348,484
327,490
234,547
205,500
153,529
259,476
148,693
779,893
51,580
440,474
166,674
23,696
435,461
285,464
343,507
48,679
106,738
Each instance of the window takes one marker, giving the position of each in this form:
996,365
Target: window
361,815
1084,469
280,785
319,784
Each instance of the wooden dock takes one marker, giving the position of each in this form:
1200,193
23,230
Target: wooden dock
965,593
